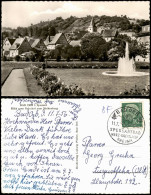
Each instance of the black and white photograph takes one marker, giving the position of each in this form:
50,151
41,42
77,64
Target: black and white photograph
75,48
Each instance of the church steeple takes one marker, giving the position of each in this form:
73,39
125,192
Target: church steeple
92,27
92,22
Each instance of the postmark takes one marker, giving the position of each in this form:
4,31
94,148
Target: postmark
126,124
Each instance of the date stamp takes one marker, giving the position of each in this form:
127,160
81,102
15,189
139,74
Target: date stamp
126,124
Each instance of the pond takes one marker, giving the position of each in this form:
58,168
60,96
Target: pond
103,85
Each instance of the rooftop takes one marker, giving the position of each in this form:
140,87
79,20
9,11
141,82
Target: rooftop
17,43
55,39
108,33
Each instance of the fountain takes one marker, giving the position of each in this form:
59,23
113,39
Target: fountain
126,67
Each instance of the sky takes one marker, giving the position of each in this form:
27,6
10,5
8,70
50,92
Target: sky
23,13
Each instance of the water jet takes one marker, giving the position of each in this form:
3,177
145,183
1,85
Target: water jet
126,67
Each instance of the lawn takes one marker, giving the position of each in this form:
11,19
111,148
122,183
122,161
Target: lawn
89,79
7,67
92,80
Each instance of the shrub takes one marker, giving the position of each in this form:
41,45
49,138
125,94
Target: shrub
33,58
27,59
17,58
52,84
4,58
77,64
136,91
41,58
68,59
58,58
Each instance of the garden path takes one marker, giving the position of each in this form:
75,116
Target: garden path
15,85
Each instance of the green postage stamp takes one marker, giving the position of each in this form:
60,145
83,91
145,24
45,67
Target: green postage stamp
132,115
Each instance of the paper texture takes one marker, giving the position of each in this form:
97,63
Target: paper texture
75,146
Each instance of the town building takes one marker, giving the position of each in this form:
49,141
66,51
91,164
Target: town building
92,27
8,42
59,39
146,28
133,21
141,59
75,43
101,28
19,46
108,34
48,40
132,35
38,44
144,37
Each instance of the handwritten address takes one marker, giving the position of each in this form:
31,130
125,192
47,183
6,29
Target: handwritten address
111,174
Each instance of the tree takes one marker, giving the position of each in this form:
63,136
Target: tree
44,32
118,48
4,58
66,52
136,28
52,31
90,45
136,48
58,52
103,53
76,52
70,52
17,58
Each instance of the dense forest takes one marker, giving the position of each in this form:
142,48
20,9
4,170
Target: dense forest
51,27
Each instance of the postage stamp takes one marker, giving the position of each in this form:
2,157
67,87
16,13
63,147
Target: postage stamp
132,115
126,124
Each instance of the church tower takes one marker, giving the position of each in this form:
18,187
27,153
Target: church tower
92,28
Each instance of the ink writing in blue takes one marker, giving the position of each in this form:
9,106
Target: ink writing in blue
39,141
89,153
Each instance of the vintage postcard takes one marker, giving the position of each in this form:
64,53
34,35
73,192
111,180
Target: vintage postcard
75,146
75,48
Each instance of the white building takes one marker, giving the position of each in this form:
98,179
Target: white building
92,28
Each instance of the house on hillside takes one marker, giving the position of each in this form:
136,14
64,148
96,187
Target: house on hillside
130,34
38,44
144,37
8,42
59,39
48,40
146,28
75,43
100,29
108,34
133,21
20,46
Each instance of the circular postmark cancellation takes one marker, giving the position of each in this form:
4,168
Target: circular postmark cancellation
126,124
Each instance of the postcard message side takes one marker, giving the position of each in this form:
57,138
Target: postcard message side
67,146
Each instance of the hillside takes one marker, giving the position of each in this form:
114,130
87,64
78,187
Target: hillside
6,29
43,28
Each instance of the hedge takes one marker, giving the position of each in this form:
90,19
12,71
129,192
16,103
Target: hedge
136,91
77,64
96,65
